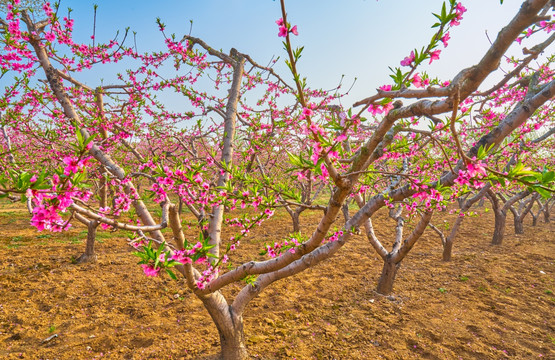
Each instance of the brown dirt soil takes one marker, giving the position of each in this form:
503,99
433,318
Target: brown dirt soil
490,302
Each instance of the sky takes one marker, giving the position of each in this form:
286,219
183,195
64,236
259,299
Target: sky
355,38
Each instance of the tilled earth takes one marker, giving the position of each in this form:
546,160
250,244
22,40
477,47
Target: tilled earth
490,302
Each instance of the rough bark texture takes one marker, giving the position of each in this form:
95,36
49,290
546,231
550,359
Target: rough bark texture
447,249
499,230
387,278
230,327
89,255
519,227
296,221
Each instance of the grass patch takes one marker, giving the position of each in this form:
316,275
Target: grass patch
8,214
15,242
75,240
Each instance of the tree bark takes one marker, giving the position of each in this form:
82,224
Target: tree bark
89,255
387,278
519,227
296,221
447,249
230,327
499,231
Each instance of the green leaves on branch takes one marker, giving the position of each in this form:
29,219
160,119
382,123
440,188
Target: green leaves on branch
445,17
82,143
483,152
19,182
160,258
540,182
536,181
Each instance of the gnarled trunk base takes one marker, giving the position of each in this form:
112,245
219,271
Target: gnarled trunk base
229,325
519,228
387,278
233,347
447,249
89,255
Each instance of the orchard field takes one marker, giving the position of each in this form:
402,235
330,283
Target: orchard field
162,197
490,302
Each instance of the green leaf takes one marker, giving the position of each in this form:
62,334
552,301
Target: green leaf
546,194
528,178
80,139
547,177
171,274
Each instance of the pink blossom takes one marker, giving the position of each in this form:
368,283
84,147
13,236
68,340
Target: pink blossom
301,176
434,55
445,38
375,109
150,270
307,112
49,36
386,87
181,258
408,60
282,31
294,30
341,137
387,107
72,165
417,80
475,169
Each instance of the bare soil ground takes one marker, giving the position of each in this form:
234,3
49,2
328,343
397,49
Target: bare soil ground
490,302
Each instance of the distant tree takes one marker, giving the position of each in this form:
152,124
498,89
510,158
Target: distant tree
32,5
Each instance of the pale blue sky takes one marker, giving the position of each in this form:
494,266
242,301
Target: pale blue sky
352,37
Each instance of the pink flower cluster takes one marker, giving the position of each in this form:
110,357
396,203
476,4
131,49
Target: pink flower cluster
48,205
74,165
283,29
277,249
472,175
429,197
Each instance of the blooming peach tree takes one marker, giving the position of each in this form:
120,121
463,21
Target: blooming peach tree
232,161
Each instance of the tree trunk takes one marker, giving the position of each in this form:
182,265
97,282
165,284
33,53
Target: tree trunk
345,209
499,232
448,248
385,284
229,325
232,344
296,222
89,255
519,228
534,220
449,240
103,192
